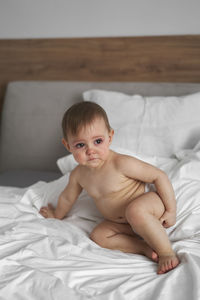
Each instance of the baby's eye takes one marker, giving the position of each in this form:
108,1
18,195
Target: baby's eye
98,141
79,145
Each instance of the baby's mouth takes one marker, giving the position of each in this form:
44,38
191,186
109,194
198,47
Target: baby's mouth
92,158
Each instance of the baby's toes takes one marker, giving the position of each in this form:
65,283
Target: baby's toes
161,268
167,263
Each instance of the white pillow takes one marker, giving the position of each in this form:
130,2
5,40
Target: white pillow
158,126
66,164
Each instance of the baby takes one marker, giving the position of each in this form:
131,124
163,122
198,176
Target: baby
135,215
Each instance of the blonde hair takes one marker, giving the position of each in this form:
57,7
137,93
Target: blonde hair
81,114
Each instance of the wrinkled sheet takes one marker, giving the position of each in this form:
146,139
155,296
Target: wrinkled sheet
52,259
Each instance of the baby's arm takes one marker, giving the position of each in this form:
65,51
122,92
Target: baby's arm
66,199
165,190
145,172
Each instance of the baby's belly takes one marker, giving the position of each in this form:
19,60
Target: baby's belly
116,215
114,208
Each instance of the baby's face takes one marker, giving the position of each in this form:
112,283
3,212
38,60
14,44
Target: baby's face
90,147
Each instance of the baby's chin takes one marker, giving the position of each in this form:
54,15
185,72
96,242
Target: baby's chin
94,163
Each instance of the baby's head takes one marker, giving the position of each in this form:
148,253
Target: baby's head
80,115
87,133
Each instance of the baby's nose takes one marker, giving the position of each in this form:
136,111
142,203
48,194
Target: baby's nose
89,150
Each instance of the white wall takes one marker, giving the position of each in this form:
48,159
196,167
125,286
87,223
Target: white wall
85,18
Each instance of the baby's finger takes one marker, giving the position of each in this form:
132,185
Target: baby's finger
43,211
162,220
43,208
166,224
43,214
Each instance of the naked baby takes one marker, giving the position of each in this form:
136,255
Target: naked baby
135,216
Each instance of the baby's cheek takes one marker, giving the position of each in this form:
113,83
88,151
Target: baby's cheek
79,157
104,152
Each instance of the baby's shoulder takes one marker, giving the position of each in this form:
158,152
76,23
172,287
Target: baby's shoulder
75,172
76,175
122,159
79,171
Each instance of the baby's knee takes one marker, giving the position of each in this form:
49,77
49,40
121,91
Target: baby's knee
100,234
135,212
94,236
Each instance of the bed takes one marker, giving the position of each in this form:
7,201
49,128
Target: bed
150,89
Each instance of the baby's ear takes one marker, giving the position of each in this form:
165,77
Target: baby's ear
66,144
111,133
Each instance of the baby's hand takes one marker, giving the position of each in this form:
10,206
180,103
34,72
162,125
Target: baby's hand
47,212
168,219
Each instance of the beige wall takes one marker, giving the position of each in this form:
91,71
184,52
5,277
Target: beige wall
85,18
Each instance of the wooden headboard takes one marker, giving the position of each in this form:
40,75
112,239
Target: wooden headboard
150,59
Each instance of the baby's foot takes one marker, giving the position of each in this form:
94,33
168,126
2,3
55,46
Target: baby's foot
147,251
167,263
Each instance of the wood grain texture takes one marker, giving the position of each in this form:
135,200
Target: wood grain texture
145,59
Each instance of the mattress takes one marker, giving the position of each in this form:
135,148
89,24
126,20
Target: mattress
53,259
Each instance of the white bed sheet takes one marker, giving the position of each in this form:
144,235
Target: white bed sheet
52,259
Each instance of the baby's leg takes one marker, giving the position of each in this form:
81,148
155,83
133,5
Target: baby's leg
118,236
143,214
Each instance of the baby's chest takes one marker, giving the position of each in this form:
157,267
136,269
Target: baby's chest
100,186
